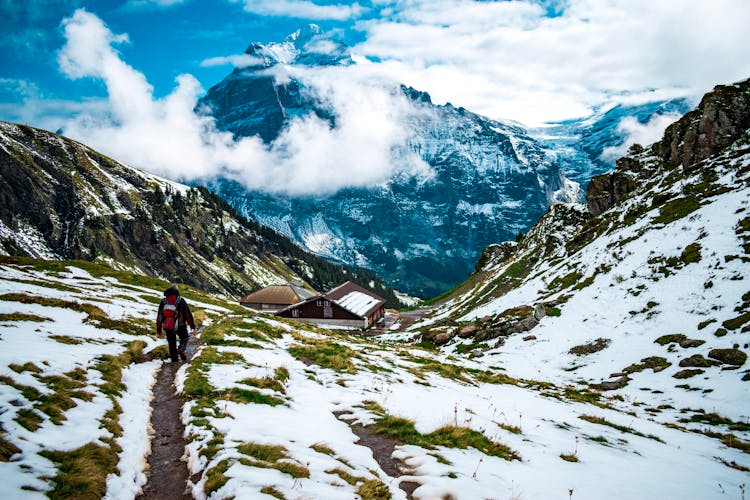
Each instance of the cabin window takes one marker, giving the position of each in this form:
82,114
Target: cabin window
327,311
295,313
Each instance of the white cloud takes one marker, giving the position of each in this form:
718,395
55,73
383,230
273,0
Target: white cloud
303,9
166,137
509,60
236,60
142,4
634,132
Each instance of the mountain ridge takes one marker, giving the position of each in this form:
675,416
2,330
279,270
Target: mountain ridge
63,200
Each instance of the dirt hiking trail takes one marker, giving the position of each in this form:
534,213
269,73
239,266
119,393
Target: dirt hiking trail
167,472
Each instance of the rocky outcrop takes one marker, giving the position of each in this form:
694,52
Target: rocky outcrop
515,320
720,119
722,116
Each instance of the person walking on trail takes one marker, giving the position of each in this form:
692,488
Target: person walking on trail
173,318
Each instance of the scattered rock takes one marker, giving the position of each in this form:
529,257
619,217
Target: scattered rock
468,331
590,347
443,337
612,385
699,361
690,372
733,357
529,337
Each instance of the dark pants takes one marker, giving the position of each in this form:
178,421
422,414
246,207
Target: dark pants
172,341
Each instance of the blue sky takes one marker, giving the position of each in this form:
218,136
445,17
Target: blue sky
78,65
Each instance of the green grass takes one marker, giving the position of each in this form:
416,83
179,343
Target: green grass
82,472
111,367
215,333
677,209
196,382
246,396
449,436
514,429
281,374
264,383
271,457
270,490
621,428
326,354
215,477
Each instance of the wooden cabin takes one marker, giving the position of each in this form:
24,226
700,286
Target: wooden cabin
348,305
276,297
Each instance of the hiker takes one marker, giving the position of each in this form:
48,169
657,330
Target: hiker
173,317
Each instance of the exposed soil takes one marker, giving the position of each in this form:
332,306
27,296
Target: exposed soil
382,447
167,471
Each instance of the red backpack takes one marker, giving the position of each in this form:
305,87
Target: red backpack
170,314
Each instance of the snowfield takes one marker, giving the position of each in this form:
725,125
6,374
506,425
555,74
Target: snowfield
277,408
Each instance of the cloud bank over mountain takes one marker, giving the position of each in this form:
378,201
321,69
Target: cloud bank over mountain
167,137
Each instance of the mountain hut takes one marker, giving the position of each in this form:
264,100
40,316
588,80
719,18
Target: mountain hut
276,297
347,305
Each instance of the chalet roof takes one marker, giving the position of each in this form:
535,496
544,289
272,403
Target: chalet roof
349,296
282,295
356,299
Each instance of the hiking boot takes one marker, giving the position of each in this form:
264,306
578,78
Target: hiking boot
182,354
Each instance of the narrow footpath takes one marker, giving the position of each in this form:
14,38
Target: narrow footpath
167,472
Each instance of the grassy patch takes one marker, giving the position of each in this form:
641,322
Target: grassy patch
514,429
245,396
94,315
196,382
7,449
270,490
26,367
111,367
28,419
264,383
17,316
281,374
323,448
82,473
215,334
677,209
569,457
449,436
326,354
621,428
215,477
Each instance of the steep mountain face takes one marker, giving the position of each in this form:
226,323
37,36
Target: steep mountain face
62,200
490,180
644,291
582,146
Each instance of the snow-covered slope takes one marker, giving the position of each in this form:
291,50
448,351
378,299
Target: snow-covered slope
649,298
280,409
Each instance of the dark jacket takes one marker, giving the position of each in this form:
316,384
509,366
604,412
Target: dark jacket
184,315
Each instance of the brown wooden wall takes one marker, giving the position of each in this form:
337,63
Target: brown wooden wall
311,309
